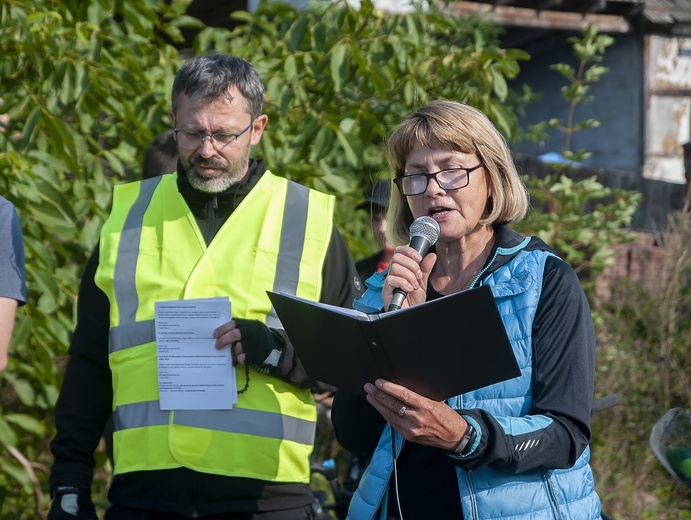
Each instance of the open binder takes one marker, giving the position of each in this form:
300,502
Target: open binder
439,349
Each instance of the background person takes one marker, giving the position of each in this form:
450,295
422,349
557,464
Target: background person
12,275
376,204
161,155
198,234
515,449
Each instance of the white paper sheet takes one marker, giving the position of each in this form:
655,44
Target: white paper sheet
192,373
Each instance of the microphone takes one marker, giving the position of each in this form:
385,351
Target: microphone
424,232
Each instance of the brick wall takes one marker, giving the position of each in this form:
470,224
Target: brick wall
642,261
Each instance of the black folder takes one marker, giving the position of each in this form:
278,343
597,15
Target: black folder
438,349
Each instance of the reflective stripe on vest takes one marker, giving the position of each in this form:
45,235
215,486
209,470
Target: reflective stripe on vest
242,421
124,283
273,417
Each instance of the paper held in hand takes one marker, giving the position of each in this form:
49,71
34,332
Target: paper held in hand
192,373
442,348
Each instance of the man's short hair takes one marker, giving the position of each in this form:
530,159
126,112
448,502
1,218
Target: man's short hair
209,77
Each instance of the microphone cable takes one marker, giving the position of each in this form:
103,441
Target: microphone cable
395,472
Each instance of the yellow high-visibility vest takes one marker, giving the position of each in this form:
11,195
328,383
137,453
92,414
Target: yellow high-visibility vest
152,250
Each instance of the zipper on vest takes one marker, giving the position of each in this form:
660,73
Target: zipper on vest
479,275
471,496
552,497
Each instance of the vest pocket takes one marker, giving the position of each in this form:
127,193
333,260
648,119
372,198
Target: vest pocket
519,283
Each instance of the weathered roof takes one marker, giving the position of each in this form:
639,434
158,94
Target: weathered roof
665,16
626,8
672,16
532,24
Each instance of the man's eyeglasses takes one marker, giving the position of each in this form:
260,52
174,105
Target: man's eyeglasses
193,140
449,179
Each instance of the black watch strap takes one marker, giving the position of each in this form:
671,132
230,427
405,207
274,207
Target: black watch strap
467,441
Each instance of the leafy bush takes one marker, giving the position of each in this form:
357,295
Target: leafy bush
582,220
85,87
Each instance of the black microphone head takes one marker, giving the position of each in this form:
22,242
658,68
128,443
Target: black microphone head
425,227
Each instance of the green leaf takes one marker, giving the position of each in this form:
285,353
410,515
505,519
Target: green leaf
350,145
499,116
114,162
338,65
499,84
19,474
297,33
7,435
290,68
187,22
322,144
21,331
318,37
27,423
413,26
29,127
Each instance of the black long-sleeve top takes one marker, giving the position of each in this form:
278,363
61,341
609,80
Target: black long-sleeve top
562,381
85,400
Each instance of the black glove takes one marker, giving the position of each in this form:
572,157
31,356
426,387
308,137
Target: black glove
71,503
259,344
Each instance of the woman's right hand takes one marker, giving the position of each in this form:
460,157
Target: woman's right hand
410,272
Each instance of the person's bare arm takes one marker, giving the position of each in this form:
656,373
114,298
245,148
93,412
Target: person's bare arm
8,310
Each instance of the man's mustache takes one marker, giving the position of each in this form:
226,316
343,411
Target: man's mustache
208,163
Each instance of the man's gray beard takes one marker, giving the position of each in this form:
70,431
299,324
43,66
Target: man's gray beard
234,172
213,185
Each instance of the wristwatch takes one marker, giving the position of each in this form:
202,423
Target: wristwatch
467,441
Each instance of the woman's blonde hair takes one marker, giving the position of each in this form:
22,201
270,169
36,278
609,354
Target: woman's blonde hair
459,128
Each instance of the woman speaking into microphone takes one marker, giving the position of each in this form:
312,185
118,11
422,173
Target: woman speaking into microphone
516,449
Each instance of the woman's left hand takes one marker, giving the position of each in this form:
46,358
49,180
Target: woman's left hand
415,417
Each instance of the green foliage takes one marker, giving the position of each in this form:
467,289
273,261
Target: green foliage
581,220
84,89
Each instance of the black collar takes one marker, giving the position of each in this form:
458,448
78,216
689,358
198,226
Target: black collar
226,201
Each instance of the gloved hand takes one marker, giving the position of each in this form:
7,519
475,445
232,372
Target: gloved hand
71,503
258,343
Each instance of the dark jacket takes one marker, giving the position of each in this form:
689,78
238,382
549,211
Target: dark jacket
366,267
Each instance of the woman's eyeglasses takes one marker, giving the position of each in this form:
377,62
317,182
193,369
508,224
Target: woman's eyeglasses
449,179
